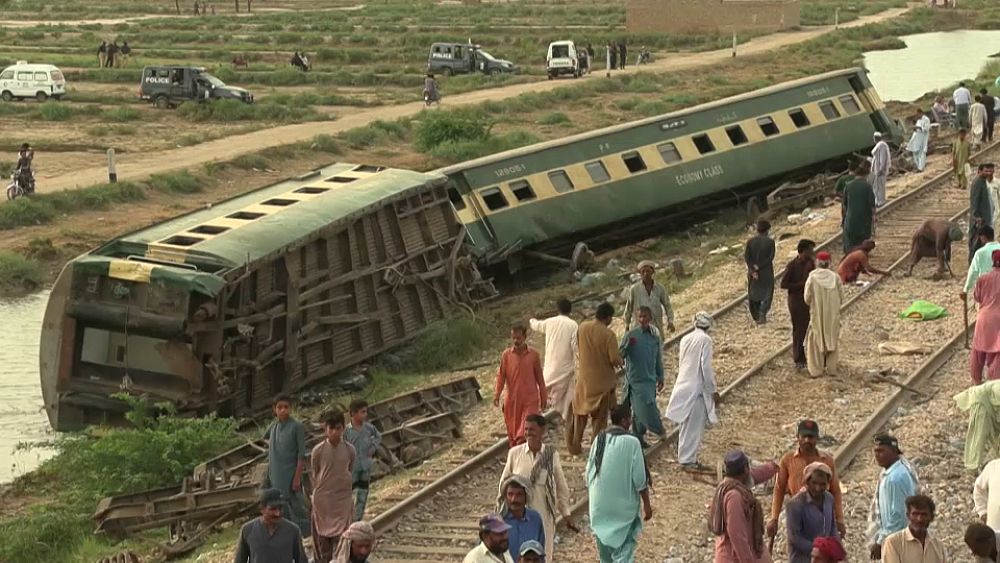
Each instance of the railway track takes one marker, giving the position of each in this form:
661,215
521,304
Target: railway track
436,518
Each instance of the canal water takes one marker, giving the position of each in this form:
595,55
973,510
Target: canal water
931,61
22,418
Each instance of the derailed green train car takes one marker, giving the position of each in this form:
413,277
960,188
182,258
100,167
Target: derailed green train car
568,189
220,309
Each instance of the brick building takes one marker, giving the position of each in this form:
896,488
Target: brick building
698,16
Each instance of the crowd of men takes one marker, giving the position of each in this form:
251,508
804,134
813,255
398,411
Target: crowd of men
579,379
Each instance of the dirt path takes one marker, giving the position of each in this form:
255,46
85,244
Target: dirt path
139,166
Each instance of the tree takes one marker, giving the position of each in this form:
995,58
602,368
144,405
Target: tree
248,6
177,4
237,3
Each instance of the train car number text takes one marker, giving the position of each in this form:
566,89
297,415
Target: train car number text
509,170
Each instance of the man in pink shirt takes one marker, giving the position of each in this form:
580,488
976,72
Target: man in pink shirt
986,341
736,516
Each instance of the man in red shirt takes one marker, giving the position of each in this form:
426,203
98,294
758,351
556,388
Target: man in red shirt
856,263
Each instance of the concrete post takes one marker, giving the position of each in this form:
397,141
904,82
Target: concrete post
734,43
112,171
836,18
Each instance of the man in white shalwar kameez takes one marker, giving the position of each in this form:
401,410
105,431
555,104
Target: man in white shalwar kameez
693,399
918,140
986,494
824,295
559,370
977,122
881,163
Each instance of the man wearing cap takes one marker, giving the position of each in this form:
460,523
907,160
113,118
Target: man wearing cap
810,513
881,164
791,475
794,281
828,550
494,542
859,209
525,523
980,207
824,296
356,544
896,483
617,485
531,552
933,239
642,350
693,399
736,517
915,543
759,257
647,292
270,538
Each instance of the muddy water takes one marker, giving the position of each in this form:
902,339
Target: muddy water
22,419
931,61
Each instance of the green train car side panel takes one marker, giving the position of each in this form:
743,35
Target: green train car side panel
550,218
593,145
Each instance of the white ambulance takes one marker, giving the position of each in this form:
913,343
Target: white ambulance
39,81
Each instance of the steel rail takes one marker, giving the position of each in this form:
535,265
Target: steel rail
386,519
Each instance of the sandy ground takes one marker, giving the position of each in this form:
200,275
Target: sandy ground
141,166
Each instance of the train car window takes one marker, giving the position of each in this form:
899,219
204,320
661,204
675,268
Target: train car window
494,198
799,117
703,144
522,190
669,153
281,202
850,104
598,173
208,229
456,199
245,215
181,240
736,135
560,181
311,190
633,162
767,126
829,110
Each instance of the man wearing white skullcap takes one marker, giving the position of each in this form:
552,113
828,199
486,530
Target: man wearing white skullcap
692,402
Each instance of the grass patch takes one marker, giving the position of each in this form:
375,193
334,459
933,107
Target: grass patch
54,111
250,162
436,128
228,111
325,143
554,118
444,345
43,208
88,466
19,273
458,151
182,182
122,114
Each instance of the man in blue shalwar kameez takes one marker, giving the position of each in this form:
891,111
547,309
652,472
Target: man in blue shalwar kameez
642,350
617,481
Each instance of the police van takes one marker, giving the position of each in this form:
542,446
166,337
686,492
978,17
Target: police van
168,86
25,80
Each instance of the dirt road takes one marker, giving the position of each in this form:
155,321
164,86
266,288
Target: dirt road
141,165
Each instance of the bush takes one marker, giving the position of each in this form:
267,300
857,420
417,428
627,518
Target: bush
250,162
627,104
458,126
25,211
178,183
325,143
233,110
554,118
122,115
650,108
466,150
19,273
445,345
54,111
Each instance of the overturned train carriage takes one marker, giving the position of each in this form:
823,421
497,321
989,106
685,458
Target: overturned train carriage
220,309
550,195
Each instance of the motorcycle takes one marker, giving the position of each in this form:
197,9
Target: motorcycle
21,184
645,57
431,99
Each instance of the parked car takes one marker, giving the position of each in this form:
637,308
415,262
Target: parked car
464,58
561,59
27,80
168,86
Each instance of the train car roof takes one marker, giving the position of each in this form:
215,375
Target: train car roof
252,225
514,153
